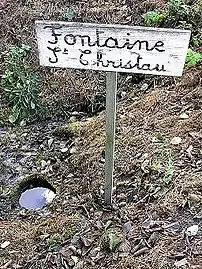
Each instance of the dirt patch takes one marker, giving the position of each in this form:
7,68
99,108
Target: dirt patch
158,186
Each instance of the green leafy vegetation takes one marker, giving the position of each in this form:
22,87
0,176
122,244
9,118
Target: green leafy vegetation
184,15
154,17
68,15
111,238
179,14
193,58
174,12
177,10
162,167
21,85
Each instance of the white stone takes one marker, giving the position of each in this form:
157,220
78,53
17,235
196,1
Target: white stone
192,230
184,116
176,140
5,244
63,150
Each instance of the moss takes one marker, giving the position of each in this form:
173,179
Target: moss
31,181
69,130
5,112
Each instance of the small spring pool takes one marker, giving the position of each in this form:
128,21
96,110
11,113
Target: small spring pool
36,198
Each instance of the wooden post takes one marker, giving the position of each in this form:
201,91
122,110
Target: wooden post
111,87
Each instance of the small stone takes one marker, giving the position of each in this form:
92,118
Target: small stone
127,227
176,140
44,236
64,150
23,123
122,204
73,150
43,164
5,244
181,263
71,262
123,94
144,87
75,113
50,142
192,230
189,150
75,259
72,119
128,78
184,116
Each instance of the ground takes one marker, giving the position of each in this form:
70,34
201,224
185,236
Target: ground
158,159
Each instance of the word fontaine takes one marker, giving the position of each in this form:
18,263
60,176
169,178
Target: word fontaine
135,47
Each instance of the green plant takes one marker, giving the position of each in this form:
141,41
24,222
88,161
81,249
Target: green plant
169,170
68,15
193,58
154,17
111,238
177,9
21,85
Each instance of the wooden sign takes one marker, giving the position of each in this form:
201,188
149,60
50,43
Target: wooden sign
117,48
113,48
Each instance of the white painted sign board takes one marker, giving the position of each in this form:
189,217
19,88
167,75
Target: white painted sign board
117,48
114,48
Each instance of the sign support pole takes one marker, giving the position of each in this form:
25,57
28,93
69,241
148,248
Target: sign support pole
111,88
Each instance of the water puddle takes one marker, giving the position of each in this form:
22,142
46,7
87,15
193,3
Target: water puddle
36,198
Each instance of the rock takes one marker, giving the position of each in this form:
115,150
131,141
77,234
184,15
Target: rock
195,197
5,244
43,164
72,119
75,114
181,263
184,116
148,223
127,227
122,204
121,196
176,140
73,150
144,166
144,87
94,253
50,142
75,259
123,94
64,150
23,123
192,230
189,150
128,78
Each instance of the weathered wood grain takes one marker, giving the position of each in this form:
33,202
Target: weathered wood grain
111,88
116,48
